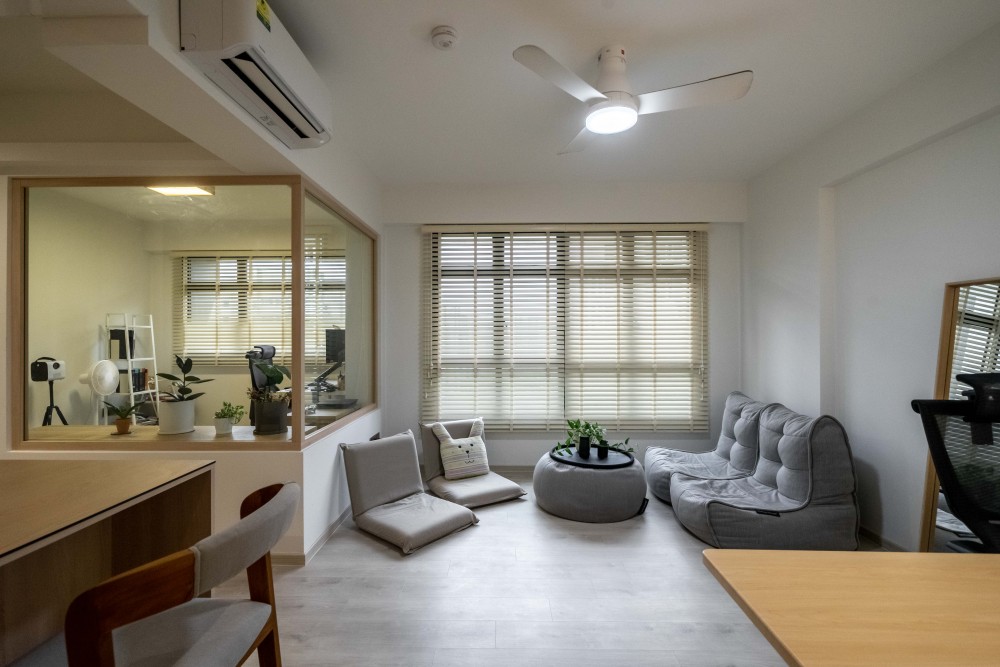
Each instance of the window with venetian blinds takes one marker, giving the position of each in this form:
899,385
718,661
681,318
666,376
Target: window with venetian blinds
226,304
530,328
977,335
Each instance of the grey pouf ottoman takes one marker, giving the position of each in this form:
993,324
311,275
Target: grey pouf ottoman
588,494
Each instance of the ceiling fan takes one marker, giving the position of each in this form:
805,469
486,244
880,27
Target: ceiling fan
612,106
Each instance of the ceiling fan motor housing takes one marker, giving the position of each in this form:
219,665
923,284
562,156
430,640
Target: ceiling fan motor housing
611,77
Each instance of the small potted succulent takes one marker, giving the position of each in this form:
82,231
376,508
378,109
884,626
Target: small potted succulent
176,411
227,416
270,402
123,415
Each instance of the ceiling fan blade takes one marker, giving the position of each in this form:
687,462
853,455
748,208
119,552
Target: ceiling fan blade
580,141
547,67
724,88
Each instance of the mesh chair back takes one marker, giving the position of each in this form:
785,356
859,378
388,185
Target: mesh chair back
969,473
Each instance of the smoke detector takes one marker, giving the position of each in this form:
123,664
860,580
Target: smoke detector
444,37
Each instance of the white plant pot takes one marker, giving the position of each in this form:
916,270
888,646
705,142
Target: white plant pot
176,417
223,426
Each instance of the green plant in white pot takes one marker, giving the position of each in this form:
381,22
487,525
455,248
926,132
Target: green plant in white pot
227,416
270,402
176,410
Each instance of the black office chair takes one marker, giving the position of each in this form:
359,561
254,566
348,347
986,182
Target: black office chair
259,354
964,441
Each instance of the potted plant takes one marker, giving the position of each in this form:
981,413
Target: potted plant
123,415
270,403
581,434
177,407
226,416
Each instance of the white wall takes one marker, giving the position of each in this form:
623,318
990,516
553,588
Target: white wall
86,261
841,245
723,205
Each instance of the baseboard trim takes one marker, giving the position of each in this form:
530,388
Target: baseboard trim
879,540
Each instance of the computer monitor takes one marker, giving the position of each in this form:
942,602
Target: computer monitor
335,345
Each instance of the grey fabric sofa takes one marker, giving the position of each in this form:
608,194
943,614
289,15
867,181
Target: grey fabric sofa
735,455
801,494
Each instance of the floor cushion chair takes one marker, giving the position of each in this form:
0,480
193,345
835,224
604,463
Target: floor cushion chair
801,494
388,498
471,491
735,454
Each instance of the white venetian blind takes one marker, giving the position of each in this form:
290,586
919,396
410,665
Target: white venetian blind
530,328
977,335
226,304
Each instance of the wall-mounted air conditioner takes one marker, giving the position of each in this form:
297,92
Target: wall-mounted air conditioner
242,47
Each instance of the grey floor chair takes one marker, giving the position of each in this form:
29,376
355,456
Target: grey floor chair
388,498
152,615
471,491
801,494
735,454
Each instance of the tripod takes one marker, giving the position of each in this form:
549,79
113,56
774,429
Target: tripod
47,421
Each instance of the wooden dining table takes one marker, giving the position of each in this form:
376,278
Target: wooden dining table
868,608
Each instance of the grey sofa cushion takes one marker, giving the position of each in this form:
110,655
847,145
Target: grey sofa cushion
800,496
476,491
473,491
415,521
381,471
735,454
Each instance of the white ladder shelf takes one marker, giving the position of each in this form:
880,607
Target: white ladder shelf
138,335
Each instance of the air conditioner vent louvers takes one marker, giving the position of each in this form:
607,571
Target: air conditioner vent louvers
253,72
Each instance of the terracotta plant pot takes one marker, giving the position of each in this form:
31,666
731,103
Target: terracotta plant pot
123,425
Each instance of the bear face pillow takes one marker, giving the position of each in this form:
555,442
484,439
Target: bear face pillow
462,457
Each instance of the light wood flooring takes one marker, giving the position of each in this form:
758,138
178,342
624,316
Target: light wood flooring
521,588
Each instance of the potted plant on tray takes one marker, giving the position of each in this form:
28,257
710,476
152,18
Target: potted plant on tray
123,415
227,416
177,406
270,402
581,434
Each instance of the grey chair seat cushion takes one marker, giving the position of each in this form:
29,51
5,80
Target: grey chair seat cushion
416,520
735,454
476,491
205,632
587,494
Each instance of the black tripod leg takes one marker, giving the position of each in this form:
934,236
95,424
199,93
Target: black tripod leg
61,418
47,421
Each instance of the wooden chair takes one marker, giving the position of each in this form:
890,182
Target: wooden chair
152,615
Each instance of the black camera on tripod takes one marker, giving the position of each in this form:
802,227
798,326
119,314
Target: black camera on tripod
45,369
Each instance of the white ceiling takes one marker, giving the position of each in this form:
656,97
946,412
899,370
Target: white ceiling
417,115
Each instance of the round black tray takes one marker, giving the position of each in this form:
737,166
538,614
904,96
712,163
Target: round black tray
616,458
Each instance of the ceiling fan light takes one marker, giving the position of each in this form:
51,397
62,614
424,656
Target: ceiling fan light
611,119
617,113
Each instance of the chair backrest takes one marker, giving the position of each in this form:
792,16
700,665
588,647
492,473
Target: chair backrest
432,446
381,471
222,556
968,467
805,459
738,439
260,354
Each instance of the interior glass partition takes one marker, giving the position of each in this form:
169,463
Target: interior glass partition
120,280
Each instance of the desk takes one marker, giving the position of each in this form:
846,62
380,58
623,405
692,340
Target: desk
868,608
68,525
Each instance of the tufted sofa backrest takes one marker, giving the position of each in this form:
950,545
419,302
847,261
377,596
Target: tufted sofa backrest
805,459
738,440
